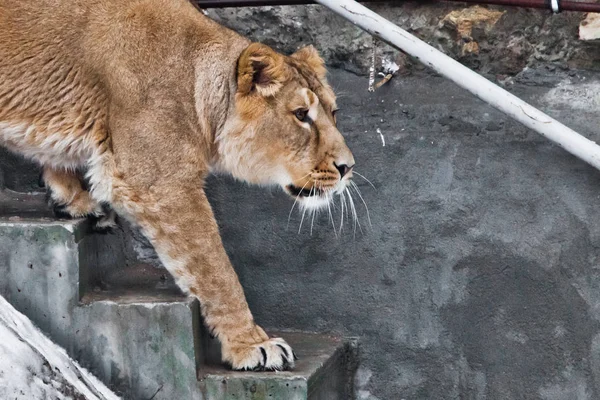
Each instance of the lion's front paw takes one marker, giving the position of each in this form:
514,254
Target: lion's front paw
271,355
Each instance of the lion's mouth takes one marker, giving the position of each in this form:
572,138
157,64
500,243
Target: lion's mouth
303,192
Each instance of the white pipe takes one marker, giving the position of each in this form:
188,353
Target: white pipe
509,104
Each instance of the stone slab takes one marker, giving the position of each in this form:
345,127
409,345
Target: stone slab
141,347
39,265
323,371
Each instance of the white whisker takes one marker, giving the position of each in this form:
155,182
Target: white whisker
304,212
354,214
363,201
347,207
305,176
342,212
327,195
293,205
362,176
313,212
301,220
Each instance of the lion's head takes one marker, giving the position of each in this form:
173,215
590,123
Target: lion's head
284,128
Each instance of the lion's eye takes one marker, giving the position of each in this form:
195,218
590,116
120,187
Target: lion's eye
302,115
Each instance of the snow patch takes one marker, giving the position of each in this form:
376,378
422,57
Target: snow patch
575,96
33,367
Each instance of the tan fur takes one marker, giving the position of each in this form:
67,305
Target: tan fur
67,190
148,96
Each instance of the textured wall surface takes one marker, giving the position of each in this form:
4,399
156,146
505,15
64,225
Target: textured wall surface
497,40
480,275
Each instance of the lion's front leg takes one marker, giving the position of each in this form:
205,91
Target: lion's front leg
179,222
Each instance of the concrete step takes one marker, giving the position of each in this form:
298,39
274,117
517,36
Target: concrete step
131,325
141,345
45,262
324,371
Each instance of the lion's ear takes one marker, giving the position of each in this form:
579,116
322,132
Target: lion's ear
260,69
310,55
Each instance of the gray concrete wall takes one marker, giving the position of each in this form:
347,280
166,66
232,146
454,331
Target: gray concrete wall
479,277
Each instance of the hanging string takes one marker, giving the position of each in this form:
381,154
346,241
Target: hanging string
372,67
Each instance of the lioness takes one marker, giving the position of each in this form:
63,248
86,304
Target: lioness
147,97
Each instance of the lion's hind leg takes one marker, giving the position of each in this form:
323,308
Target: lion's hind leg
69,198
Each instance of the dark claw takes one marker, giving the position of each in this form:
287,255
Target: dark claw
59,212
57,209
295,356
286,355
264,354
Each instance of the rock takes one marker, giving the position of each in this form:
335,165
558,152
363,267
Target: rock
464,21
589,29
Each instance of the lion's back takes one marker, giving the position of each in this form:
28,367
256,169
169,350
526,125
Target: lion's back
65,63
49,95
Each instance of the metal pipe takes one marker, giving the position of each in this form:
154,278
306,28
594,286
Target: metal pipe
499,98
248,3
543,4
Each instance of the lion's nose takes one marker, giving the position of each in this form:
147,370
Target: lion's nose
343,168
